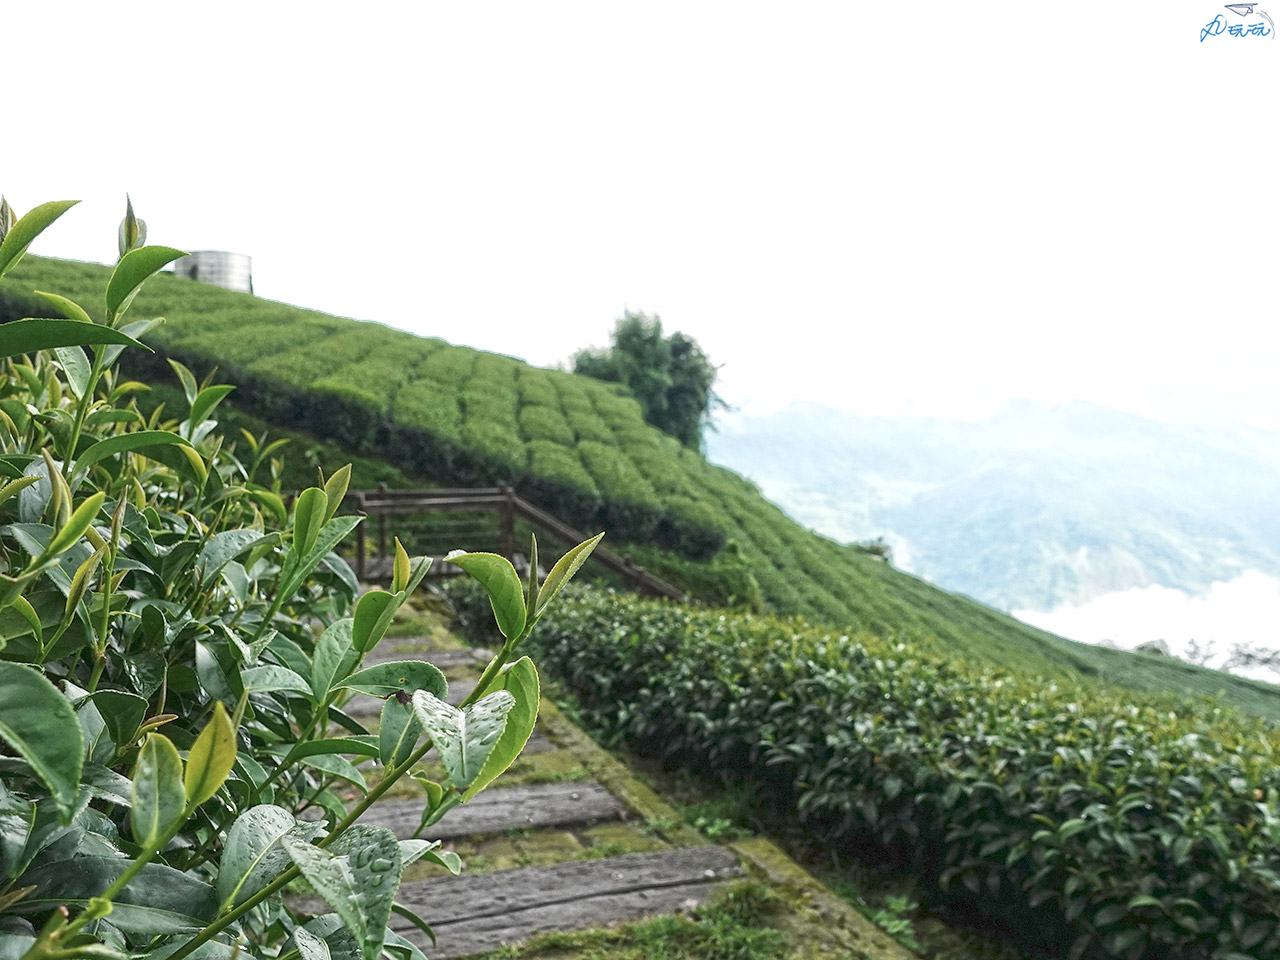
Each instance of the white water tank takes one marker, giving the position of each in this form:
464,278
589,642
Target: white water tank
231,270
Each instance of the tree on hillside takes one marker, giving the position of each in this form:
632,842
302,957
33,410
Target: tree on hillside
670,376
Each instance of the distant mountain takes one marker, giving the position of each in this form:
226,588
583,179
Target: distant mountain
1031,508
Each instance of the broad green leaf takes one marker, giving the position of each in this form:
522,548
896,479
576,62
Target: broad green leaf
76,366
335,489
398,732
334,658
28,613
520,679
122,712
396,677
133,270
400,569
335,765
14,487
222,548
563,571
68,308
500,580
444,858
211,758
188,380
158,901
310,947
308,519
75,527
159,799
183,458
465,738
299,569
28,336
373,857
268,500
37,722
269,678
333,932
208,399
331,876
433,790
34,223
253,855
80,581
335,745
374,613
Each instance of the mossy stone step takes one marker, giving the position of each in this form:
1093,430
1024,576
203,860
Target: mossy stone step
499,809
471,914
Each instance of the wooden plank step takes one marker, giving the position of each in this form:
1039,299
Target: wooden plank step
471,914
500,809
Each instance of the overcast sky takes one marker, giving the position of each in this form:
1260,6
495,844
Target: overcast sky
887,207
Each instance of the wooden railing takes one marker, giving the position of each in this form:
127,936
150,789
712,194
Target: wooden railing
381,504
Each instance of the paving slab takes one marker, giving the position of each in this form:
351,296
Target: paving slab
499,809
471,914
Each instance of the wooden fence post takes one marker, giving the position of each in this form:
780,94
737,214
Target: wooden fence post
507,525
360,537
382,527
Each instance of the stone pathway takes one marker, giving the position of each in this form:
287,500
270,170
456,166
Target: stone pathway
567,839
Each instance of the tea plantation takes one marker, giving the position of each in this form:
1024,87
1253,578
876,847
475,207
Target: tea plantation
453,415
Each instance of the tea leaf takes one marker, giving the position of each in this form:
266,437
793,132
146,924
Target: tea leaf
75,527
465,738
254,854
38,722
211,758
68,308
20,235
308,519
27,336
159,798
336,489
502,583
133,270
520,679
398,676
373,855
124,442
398,732
563,572
374,613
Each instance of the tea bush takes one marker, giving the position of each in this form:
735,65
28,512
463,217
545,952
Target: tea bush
1098,825
538,422
176,649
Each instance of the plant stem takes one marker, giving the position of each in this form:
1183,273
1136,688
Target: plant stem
383,786
82,410
211,931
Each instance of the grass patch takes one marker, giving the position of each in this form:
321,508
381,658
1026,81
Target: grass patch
736,925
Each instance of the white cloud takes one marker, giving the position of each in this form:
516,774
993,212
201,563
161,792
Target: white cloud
1245,610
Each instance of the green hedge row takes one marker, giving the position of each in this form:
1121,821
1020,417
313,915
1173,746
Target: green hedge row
1097,826
538,422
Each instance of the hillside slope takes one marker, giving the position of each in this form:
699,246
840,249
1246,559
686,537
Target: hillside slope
451,414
